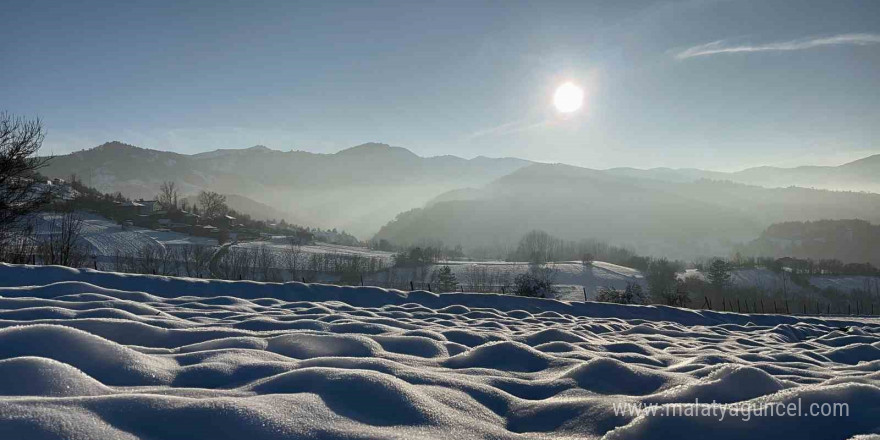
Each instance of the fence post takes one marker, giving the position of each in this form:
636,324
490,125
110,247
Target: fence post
502,290
362,280
411,287
429,288
775,310
585,293
303,280
787,309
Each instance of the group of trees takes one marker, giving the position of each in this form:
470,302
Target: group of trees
425,255
183,260
664,286
209,204
539,247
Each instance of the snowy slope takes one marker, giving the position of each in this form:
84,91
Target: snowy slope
768,281
105,238
86,354
278,245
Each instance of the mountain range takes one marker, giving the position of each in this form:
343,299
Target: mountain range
358,189
487,201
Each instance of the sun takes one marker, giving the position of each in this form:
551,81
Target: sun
568,98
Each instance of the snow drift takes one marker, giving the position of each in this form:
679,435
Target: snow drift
87,354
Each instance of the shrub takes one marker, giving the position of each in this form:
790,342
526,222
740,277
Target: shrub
536,283
632,294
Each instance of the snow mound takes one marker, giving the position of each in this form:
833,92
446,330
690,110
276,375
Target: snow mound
507,356
730,383
307,346
366,396
107,361
35,376
87,354
610,376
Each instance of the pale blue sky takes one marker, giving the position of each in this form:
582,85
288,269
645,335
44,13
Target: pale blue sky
712,84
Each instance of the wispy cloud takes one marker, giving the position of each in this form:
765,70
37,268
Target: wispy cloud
722,47
508,128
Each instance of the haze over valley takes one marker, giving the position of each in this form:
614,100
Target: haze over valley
483,203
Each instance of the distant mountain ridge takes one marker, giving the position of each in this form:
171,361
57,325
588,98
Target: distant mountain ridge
357,189
360,189
858,175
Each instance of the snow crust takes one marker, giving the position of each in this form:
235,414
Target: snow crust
87,354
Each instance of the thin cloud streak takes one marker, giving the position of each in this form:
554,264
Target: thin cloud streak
719,47
508,128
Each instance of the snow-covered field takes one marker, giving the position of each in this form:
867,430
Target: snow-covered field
93,355
105,238
571,277
279,246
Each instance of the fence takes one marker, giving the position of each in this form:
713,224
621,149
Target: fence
839,308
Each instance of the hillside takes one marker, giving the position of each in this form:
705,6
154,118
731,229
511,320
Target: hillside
357,189
253,208
672,219
850,241
87,354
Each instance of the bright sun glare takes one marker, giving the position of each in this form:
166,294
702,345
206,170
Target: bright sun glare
568,98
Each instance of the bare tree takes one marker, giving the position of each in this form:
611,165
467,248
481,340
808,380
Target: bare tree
168,196
293,258
62,245
20,248
536,247
264,260
149,260
213,204
20,141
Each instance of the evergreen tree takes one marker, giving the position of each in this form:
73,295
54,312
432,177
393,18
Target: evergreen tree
719,274
446,279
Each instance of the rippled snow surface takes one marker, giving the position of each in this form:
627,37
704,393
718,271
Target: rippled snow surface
91,355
